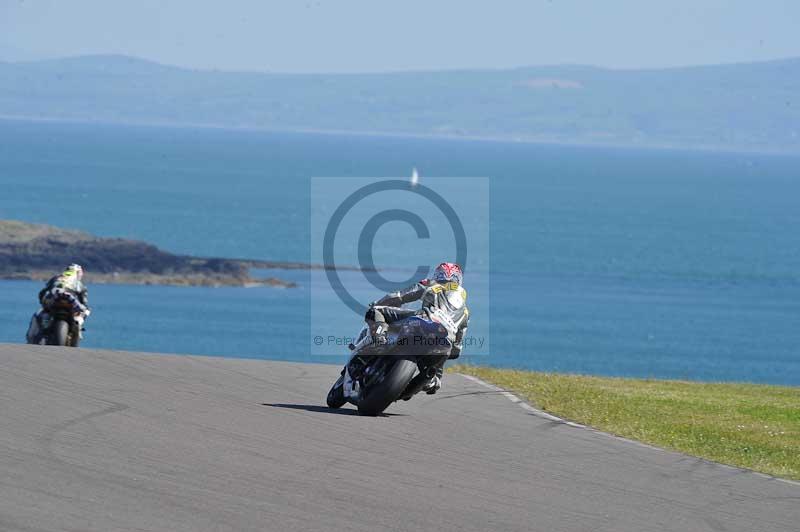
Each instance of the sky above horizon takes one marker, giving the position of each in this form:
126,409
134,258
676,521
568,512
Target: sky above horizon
377,35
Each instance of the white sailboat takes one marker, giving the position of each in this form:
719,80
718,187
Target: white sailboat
414,178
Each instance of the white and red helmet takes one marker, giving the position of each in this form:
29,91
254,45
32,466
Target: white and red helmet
448,272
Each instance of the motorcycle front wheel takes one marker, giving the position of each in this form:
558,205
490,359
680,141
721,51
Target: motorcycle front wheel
336,397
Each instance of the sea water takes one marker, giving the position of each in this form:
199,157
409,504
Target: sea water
609,261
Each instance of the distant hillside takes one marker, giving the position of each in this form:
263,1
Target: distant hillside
743,106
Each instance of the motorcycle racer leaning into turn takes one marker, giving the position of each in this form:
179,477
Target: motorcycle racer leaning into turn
444,300
66,288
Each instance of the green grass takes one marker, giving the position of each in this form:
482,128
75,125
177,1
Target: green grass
746,425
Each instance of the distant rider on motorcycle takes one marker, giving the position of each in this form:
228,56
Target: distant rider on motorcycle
444,301
64,289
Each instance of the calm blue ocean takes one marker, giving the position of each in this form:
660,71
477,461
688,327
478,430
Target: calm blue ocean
605,261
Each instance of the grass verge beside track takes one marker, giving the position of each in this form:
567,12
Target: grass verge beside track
747,425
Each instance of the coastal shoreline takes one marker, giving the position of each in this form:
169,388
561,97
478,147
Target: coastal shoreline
36,252
149,279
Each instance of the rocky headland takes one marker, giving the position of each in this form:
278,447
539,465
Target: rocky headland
37,252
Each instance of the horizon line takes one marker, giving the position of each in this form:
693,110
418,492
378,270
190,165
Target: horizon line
133,58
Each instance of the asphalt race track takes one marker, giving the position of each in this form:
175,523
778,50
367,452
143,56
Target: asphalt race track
106,441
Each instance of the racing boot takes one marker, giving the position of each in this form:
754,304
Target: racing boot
79,319
428,379
435,384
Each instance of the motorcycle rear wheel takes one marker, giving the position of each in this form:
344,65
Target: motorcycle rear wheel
59,333
378,397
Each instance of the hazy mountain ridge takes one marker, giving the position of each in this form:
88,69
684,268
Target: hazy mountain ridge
739,106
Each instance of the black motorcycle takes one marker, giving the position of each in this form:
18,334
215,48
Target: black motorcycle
55,327
378,374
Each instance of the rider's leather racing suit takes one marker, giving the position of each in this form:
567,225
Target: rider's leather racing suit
445,303
65,289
